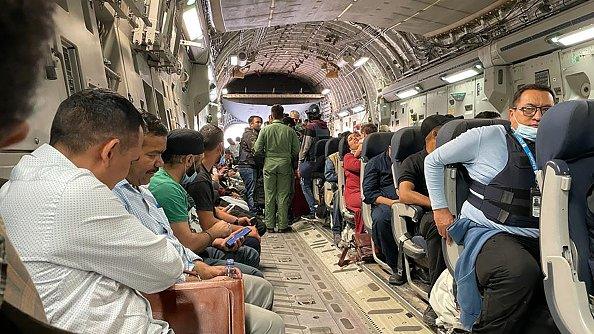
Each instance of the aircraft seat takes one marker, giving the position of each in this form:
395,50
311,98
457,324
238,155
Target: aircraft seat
374,144
456,177
405,142
330,187
565,158
343,149
318,172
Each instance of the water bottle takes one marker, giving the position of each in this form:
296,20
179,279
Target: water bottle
230,268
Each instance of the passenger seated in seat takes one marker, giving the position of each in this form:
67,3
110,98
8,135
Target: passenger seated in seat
352,171
330,168
87,256
496,225
487,115
139,201
202,192
378,191
412,190
183,154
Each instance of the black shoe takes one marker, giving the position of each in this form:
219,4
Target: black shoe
396,279
284,230
337,239
270,230
429,316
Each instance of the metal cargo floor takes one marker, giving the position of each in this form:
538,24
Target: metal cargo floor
315,296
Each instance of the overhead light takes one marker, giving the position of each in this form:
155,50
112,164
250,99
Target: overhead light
234,60
191,2
343,113
469,73
575,37
190,43
219,115
210,74
478,66
408,93
192,23
357,109
326,91
361,61
224,91
341,63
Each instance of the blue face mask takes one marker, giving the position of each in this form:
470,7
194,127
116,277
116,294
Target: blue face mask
526,132
185,180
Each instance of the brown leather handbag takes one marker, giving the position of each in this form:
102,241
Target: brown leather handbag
361,243
213,306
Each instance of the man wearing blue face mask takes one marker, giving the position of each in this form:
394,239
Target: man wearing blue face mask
498,273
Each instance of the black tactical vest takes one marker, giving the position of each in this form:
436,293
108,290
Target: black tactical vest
507,197
317,132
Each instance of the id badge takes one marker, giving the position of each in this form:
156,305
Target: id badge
535,202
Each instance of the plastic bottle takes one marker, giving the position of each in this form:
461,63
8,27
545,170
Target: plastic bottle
230,268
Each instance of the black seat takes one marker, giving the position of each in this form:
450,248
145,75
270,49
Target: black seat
331,146
456,177
373,145
565,156
343,149
405,142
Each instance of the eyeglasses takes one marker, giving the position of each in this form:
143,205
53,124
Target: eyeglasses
530,111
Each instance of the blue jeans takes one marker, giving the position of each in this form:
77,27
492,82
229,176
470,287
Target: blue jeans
248,175
336,216
246,259
382,234
305,171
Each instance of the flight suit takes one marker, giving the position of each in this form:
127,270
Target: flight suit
279,146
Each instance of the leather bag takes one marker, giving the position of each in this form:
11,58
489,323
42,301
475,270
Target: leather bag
361,244
213,306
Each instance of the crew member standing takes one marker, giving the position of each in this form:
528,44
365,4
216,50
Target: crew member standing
315,130
279,146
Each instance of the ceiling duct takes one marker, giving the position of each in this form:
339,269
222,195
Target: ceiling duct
242,58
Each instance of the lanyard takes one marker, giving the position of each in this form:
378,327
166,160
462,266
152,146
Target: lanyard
527,151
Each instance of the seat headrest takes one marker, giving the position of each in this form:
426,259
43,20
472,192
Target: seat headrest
343,147
332,146
375,144
405,142
566,132
457,127
320,148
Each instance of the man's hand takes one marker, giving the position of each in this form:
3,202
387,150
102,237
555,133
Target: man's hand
221,243
207,272
443,220
245,221
220,229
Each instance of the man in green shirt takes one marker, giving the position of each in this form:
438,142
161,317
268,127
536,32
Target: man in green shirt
184,152
279,146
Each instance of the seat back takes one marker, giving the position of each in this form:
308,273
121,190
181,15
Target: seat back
343,149
331,146
405,142
456,183
320,151
565,155
373,145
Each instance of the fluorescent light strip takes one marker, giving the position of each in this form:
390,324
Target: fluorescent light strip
575,37
469,73
326,91
357,109
192,23
343,113
407,93
344,11
361,61
234,60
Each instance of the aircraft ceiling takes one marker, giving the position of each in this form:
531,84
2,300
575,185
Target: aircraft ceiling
318,39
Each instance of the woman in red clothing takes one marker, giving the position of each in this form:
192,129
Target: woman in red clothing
352,171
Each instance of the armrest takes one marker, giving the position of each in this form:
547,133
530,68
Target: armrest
400,231
201,307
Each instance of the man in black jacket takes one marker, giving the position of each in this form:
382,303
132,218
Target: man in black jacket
247,164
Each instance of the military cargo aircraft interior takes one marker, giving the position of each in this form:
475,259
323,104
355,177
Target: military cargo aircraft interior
284,166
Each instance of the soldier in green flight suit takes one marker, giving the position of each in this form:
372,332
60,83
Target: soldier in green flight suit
279,146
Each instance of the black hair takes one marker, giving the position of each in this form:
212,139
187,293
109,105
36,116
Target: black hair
487,115
289,121
253,117
277,111
154,125
93,116
368,128
524,88
213,136
24,26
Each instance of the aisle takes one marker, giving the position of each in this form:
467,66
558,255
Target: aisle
316,296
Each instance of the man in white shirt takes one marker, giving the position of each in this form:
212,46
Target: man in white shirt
259,293
87,256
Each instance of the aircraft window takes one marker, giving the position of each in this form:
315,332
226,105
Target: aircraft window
72,73
87,15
